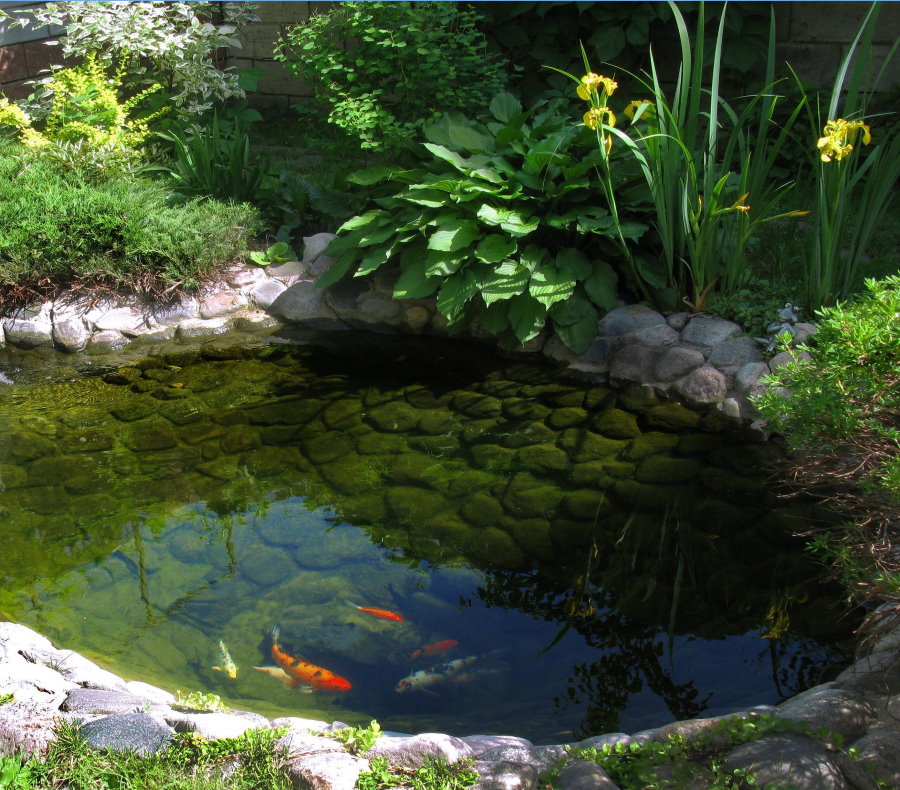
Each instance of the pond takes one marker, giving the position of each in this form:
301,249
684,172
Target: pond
468,544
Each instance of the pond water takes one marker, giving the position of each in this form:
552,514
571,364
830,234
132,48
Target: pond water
556,559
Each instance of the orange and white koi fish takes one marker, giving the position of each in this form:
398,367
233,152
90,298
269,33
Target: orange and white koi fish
434,649
448,672
277,673
228,666
382,614
302,672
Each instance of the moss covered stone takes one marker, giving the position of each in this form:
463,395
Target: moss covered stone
490,430
616,424
566,417
591,473
525,409
438,421
412,504
476,404
598,398
533,535
421,397
295,411
394,417
350,475
572,533
224,467
380,443
587,503
481,510
492,457
133,408
662,469
19,447
239,438
266,566
651,443
542,458
325,447
418,469
436,446
529,433
493,548
92,507
153,433
182,412
275,462
528,496
54,470
583,445
642,496
12,476
343,414
469,481
672,416
195,433
88,440
698,443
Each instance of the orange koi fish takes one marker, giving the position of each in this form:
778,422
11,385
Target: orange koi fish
382,614
302,672
434,649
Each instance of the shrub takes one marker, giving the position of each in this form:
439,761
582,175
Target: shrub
385,68
503,224
122,233
173,44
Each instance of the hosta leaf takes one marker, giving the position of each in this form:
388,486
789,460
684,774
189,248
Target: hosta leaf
363,220
432,198
634,230
581,334
455,292
457,160
526,317
550,285
511,221
572,310
466,137
602,285
495,317
371,175
337,270
571,260
376,236
371,262
505,107
495,247
504,283
454,235
442,263
414,284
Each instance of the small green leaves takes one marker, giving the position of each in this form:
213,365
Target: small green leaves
280,252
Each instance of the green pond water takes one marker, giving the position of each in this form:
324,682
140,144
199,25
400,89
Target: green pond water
608,562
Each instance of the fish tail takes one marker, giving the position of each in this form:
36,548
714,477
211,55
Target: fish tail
276,630
355,606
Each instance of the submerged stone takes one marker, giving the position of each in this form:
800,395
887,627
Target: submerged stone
413,504
542,458
482,510
662,469
566,417
650,443
528,496
584,445
393,417
326,447
616,424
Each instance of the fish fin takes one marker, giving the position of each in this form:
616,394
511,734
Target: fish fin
306,689
218,669
430,692
276,630
293,683
354,605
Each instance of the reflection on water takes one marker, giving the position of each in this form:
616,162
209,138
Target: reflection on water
531,555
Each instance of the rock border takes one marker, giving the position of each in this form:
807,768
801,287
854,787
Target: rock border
703,362
49,685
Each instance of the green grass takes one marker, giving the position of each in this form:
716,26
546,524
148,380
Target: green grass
124,233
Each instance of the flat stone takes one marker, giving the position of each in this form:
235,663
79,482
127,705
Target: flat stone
36,332
735,352
630,318
656,336
325,771
839,710
107,340
27,726
585,775
288,272
137,732
410,753
708,331
214,725
501,775
128,320
304,303
220,304
83,700
878,673
788,759
265,292
632,362
184,309
314,246
676,362
200,327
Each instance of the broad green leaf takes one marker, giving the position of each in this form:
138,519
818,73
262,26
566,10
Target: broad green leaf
574,261
376,236
455,292
442,264
457,160
495,247
454,235
572,310
371,262
414,284
581,334
602,285
550,285
466,137
511,221
526,317
505,107
633,230
504,283
362,220
341,244
371,175
430,198
337,270
495,317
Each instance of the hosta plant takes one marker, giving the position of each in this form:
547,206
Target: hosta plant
503,224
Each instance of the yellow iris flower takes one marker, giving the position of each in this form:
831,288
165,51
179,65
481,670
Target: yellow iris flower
636,105
594,117
590,82
839,137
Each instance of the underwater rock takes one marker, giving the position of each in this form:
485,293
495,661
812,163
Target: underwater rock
350,475
381,443
542,458
493,548
182,412
528,434
476,404
698,443
642,496
326,447
529,496
587,503
266,566
54,470
342,414
394,417
616,424
135,408
583,445
438,421
412,504
469,481
491,457
481,510
238,439
566,417
486,430
661,469
152,433
525,409
19,447
650,443
592,473
672,416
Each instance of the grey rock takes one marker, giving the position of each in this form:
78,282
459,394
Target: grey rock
510,749
878,758
325,771
215,725
702,387
17,675
839,710
374,307
304,303
185,308
500,775
633,362
82,700
127,319
878,673
600,352
26,726
676,362
200,327
803,331
482,744
630,318
265,292
735,352
585,775
15,637
138,732
599,741
222,303
411,752
156,695
747,379
77,669
289,272
314,246
107,340
788,759
297,724
70,333
708,331
34,332
678,321
297,743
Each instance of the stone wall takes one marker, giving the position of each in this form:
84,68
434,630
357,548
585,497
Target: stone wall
813,36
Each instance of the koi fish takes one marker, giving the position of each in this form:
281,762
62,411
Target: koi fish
303,673
434,649
277,673
448,672
382,614
228,666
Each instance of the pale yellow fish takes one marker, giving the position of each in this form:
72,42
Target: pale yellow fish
228,666
277,673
